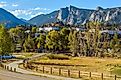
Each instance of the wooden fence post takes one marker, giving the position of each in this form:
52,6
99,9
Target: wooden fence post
7,67
43,69
68,72
36,68
4,66
11,69
1,65
79,74
59,71
90,75
51,71
14,69
115,77
102,76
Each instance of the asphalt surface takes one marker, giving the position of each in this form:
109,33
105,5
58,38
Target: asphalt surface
6,75
27,75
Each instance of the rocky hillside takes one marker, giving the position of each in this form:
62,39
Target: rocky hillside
74,15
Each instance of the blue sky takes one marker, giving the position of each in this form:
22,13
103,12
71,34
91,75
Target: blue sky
30,8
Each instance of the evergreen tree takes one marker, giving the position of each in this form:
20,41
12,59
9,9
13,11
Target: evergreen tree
53,41
74,43
41,41
29,44
64,38
5,41
115,44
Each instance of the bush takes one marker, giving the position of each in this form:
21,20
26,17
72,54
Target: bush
58,56
117,71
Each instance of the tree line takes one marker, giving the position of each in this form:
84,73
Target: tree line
89,42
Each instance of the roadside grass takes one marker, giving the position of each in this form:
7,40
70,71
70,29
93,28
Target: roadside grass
24,55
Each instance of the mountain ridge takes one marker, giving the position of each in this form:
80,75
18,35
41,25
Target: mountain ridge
75,16
8,19
68,15
44,18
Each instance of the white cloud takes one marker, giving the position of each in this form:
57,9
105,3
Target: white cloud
14,5
3,4
45,9
29,13
37,8
32,12
21,12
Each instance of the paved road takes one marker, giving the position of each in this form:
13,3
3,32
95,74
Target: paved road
26,72
16,63
26,75
6,75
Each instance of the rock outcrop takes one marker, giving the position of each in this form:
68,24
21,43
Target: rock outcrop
73,15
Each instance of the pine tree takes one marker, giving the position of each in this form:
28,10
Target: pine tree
115,44
29,44
74,43
5,41
41,41
53,41
64,33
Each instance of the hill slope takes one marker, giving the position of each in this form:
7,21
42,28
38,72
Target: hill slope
8,19
44,18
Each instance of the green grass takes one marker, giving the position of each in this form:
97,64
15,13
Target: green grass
58,56
24,56
28,55
117,71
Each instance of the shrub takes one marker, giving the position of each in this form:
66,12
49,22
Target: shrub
58,56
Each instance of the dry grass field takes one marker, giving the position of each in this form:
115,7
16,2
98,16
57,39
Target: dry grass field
87,64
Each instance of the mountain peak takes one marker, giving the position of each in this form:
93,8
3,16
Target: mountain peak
99,8
72,7
76,16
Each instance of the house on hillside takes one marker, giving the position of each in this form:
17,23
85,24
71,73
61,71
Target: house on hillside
111,33
79,29
36,35
27,31
41,29
49,28
18,48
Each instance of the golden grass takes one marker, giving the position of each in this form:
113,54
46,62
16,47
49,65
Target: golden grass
89,64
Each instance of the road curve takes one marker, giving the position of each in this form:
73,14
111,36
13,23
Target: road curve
16,65
26,75
26,72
